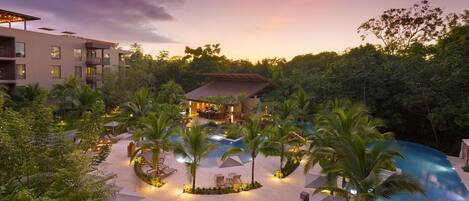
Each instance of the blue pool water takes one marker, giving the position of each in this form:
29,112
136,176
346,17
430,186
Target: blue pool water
433,170
429,166
212,160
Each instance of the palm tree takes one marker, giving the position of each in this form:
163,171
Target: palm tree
364,166
281,135
24,96
83,99
337,120
140,105
349,144
157,133
194,146
64,94
302,102
341,118
255,139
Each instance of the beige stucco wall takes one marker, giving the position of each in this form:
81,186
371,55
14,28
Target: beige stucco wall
38,60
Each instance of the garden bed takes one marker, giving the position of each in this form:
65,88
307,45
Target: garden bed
222,190
153,181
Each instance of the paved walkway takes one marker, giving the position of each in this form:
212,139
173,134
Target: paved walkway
458,163
273,188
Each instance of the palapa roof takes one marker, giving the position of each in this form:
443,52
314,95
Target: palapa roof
230,84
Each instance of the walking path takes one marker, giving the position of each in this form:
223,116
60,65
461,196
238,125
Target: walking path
458,163
273,189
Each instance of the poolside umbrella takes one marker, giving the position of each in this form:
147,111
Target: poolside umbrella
316,181
112,125
232,161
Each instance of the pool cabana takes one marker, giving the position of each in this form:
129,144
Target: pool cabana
229,96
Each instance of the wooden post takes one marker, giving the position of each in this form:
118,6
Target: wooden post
467,156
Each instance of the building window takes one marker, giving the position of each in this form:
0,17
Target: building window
20,49
121,58
55,52
20,71
78,72
77,54
56,72
90,72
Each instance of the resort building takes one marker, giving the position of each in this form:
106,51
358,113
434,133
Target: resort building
28,57
229,96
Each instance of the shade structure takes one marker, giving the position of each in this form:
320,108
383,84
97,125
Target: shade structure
111,124
230,85
316,181
232,161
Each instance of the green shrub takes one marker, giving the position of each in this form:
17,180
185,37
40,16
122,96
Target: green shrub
102,155
223,190
233,131
292,163
466,168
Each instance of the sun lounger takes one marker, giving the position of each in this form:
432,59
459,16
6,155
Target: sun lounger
220,180
164,172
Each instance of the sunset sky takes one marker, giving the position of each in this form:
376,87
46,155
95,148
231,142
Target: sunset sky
246,29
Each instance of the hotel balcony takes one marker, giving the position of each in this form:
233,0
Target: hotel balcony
97,61
7,71
93,78
7,47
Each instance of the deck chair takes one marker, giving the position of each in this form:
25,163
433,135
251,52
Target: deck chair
167,172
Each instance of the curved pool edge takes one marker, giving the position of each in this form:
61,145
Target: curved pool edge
433,169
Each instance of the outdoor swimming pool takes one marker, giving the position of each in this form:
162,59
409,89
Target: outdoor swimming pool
212,160
433,170
429,166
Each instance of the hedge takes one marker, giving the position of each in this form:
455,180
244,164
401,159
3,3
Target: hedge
222,190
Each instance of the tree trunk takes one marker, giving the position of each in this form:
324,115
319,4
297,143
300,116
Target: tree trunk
156,161
252,171
193,177
281,158
435,134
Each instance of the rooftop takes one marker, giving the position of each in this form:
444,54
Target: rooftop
9,16
230,84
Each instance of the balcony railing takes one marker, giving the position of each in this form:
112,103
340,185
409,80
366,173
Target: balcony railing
97,61
97,77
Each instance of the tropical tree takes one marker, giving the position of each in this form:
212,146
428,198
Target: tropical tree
364,167
156,131
3,96
84,98
170,92
140,105
194,146
25,96
92,126
281,135
341,119
399,28
255,139
64,94
303,103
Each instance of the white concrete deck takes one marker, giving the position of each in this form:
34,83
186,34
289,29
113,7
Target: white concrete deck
458,163
273,188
